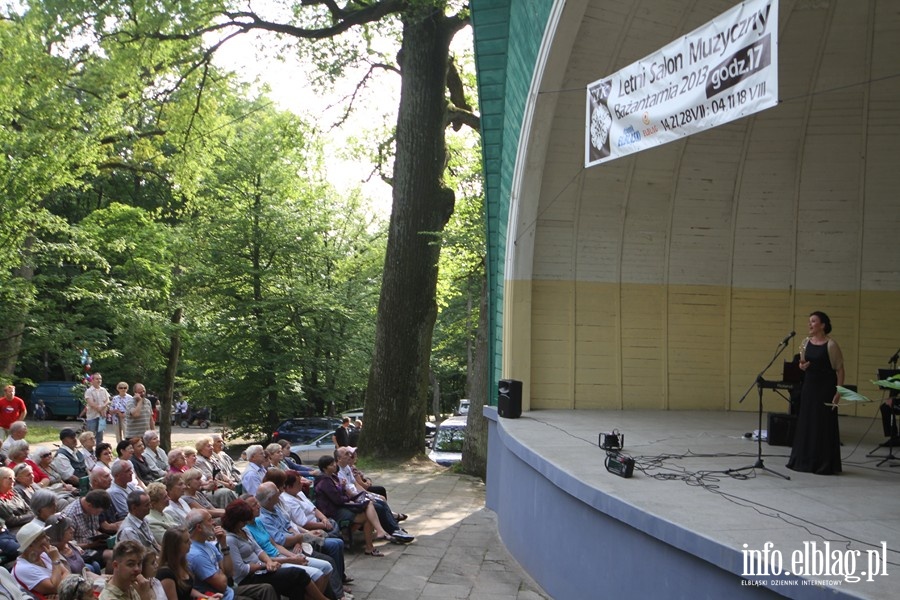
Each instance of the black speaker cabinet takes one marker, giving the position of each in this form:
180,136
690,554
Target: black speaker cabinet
781,429
509,398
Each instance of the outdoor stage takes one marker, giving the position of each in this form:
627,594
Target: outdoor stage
678,528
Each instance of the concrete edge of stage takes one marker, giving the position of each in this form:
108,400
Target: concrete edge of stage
578,541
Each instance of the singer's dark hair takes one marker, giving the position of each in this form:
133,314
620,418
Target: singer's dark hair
823,318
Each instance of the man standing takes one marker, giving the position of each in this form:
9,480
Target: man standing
341,435
12,409
210,561
138,413
97,400
135,526
69,463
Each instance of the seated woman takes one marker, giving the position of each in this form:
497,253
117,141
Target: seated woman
252,565
194,495
61,534
318,569
43,504
14,511
104,454
304,470
40,569
43,456
159,521
177,580
25,486
18,455
177,462
364,483
177,508
334,504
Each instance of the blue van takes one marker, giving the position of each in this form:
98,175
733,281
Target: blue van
61,398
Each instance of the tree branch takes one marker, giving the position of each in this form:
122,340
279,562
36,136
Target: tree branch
459,116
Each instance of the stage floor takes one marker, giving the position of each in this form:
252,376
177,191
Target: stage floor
827,529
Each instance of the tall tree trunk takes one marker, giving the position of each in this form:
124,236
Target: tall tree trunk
165,401
397,391
474,455
12,331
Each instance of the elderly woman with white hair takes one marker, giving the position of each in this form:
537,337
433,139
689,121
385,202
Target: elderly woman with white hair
14,512
153,451
43,504
40,568
257,465
43,456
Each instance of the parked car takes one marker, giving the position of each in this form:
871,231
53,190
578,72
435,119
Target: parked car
354,414
303,429
61,398
446,449
309,451
463,408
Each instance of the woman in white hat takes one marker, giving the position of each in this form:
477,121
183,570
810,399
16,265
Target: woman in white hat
39,569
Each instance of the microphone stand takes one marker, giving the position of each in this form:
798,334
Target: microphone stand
758,382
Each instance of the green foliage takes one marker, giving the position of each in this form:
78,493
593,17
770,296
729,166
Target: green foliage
285,280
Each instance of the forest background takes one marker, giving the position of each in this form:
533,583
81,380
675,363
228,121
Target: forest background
163,213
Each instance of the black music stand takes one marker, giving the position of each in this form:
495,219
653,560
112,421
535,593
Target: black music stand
759,382
893,439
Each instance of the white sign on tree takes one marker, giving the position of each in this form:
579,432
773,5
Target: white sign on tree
720,72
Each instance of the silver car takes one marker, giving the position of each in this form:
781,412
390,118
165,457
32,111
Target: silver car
309,452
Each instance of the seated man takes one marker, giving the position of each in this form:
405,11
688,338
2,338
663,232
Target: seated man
210,562
68,462
127,583
122,485
226,462
17,431
100,479
135,526
257,463
84,513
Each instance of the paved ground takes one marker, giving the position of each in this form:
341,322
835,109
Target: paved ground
457,553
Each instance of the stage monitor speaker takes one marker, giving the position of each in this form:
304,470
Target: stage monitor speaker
509,399
781,429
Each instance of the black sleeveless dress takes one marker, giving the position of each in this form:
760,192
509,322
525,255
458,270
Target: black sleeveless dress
817,444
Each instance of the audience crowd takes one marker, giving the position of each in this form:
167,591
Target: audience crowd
135,522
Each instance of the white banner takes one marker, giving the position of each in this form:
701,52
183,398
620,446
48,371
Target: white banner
721,71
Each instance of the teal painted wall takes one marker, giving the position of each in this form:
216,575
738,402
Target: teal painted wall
508,35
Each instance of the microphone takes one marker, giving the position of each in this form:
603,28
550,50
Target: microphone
788,337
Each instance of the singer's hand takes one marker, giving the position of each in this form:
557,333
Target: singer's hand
804,364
